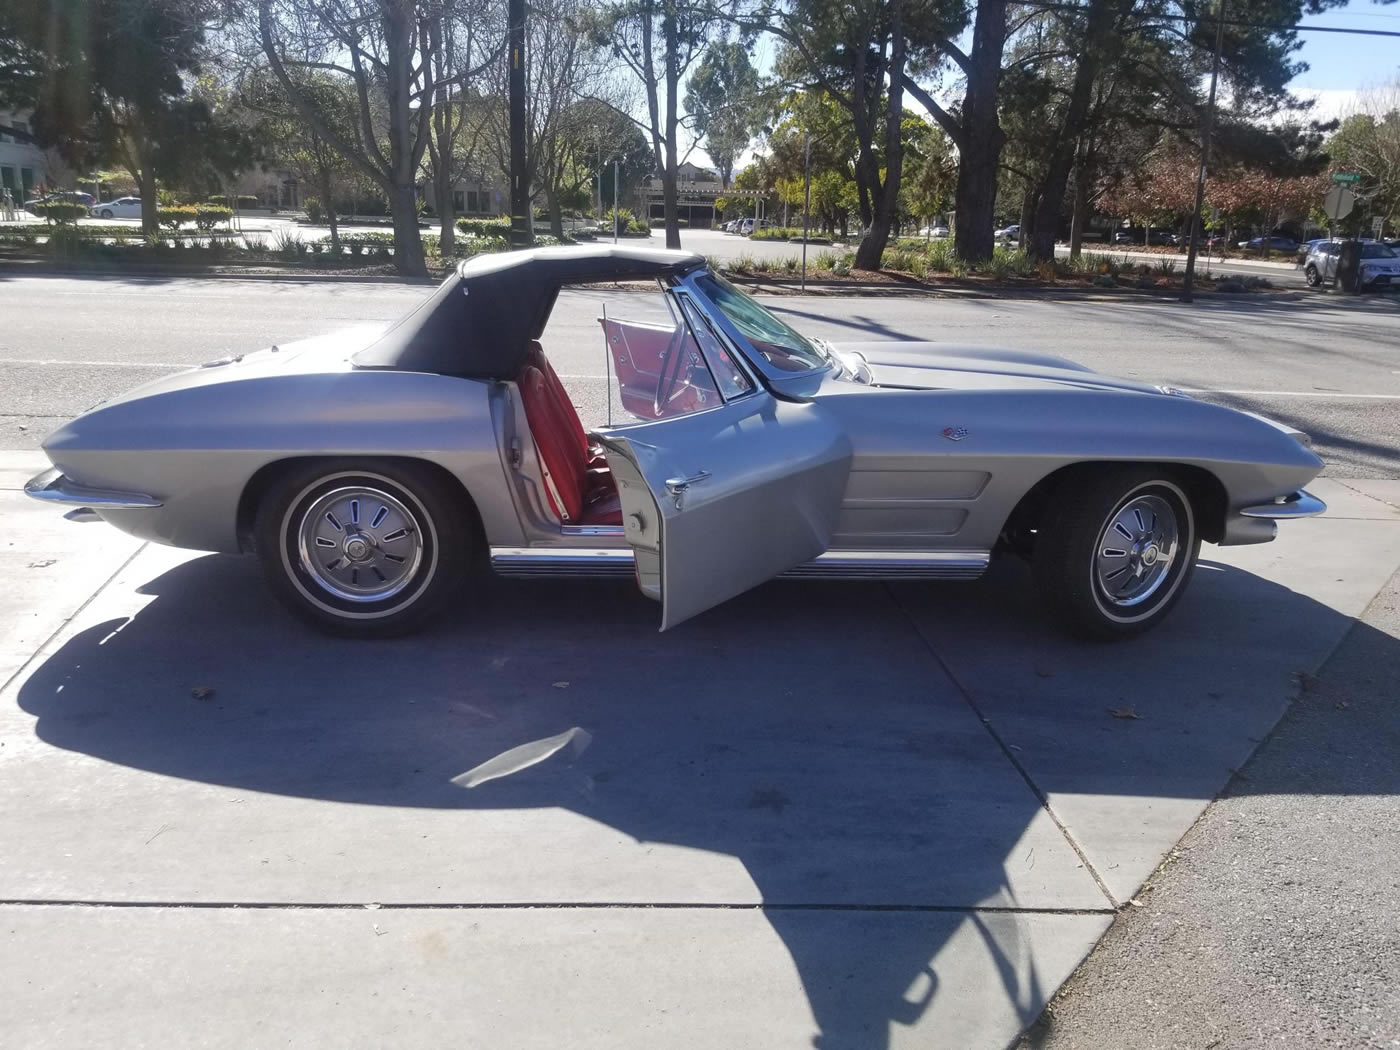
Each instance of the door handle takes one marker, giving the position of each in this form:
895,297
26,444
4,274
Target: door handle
677,486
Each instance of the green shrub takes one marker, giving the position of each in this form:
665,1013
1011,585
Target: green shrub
1166,267
208,215
842,266
315,213
775,233
485,227
60,212
939,256
66,243
288,243
791,264
824,260
174,216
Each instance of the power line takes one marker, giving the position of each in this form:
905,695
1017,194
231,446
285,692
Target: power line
1048,5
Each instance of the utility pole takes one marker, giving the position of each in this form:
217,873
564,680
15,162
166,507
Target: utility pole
521,221
615,200
1189,280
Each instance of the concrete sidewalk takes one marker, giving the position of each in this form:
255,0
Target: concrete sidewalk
831,815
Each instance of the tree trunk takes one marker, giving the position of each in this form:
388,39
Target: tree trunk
556,213
1081,211
329,203
408,243
980,151
673,76
146,180
447,212
886,210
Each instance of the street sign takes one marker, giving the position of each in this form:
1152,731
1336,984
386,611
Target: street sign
1345,177
1338,203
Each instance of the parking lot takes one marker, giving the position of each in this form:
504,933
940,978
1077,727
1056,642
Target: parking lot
835,815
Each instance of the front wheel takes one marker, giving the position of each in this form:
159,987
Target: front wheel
1114,551
364,552
1312,276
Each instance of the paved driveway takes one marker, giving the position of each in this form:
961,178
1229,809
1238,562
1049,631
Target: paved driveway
850,816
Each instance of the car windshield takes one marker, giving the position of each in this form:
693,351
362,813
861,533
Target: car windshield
780,346
1376,251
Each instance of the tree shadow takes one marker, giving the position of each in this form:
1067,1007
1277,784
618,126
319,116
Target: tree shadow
809,730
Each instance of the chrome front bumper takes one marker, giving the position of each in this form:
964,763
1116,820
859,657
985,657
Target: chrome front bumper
52,486
1298,504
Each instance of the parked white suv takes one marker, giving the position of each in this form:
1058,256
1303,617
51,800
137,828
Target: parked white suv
1380,266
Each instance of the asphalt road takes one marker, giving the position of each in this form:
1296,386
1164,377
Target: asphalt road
1330,367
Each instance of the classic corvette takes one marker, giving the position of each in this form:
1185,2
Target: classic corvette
370,475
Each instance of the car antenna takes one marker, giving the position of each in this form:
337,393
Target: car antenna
607,364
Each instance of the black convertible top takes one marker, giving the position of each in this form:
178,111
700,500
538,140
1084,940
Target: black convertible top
480,321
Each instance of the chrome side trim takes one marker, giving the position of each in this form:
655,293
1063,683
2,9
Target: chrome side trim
1300,504
893,565
833,565
53,487
592,530
562,561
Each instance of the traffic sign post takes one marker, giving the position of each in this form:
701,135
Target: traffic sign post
1337,205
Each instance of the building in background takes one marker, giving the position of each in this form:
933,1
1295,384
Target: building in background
474,195
696,190
22,164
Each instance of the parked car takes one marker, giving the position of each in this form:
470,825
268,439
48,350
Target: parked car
65,196
936,232
1008,233
121,208
1273,243
370,476
1162,237
1380,265
1123,237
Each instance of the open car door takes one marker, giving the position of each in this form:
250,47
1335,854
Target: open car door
718,501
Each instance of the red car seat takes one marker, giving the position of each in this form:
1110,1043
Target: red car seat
580,490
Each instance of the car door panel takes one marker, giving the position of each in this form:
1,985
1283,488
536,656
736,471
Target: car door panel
637,349
716,502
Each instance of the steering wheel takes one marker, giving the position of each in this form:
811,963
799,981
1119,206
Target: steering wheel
670,374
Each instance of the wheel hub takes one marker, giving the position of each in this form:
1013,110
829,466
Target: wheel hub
360,543
1136,550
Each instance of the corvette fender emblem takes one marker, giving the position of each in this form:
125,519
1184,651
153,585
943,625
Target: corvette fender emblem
955,433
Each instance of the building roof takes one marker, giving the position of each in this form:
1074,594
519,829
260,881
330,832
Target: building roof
480,321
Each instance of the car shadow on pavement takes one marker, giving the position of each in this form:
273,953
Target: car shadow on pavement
876,757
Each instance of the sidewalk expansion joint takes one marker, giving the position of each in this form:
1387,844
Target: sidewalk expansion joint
542,906
1005,750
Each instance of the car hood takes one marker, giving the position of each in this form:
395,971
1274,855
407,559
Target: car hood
945,366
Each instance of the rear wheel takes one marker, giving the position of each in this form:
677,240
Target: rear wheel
1312,276
1114,551
106,213
364,552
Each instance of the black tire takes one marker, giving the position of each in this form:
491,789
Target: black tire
106,213
1312,276
415,545
1075,550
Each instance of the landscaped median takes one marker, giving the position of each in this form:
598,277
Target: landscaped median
933,265
908,265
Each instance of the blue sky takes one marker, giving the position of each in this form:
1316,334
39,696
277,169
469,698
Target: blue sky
1343,64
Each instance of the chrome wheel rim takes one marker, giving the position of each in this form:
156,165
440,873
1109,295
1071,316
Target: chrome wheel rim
1136,550
360,544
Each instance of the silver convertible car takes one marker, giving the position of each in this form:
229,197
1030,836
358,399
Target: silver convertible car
370,476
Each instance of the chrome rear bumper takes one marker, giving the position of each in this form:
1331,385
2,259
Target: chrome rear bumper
1298,504
52,486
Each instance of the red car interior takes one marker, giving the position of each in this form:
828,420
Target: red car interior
579,484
